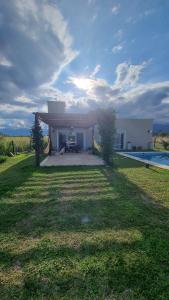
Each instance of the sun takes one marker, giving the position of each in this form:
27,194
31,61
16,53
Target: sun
82,83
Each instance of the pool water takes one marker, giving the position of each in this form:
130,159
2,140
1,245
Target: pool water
155,157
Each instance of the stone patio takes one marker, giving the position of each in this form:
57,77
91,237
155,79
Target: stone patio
72,159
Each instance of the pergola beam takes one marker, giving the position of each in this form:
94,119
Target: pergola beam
67,120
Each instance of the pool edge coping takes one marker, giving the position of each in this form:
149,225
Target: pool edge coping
145,161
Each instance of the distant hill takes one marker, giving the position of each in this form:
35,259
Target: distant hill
16,132
157,128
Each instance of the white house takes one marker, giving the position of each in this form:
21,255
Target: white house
83,130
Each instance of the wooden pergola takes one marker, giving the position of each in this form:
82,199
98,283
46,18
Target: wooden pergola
62,120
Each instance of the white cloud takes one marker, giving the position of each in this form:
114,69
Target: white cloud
5,62
127,77
14,123
23,99
116,49
166,101
115,9
45,48
11,108
128,74
128,96
95,71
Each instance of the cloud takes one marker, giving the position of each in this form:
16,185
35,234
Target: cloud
126,94
128,97
117,48
146,100
137,18
128,74
14,123
115,9
4,61
95,71
35,47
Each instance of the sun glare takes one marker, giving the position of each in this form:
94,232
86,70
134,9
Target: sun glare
82,83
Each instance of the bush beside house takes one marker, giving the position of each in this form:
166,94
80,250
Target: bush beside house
106,123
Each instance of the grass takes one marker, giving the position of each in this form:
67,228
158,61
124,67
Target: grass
21,143
2,159
83,232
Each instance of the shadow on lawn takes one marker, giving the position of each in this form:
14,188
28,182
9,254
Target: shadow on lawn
94,199
107,265
15,175
126,162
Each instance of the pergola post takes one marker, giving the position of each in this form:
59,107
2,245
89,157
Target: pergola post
50,141
37,141
93,139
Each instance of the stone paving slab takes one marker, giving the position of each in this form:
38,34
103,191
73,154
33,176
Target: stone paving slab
72,159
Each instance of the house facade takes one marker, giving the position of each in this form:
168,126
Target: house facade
83,129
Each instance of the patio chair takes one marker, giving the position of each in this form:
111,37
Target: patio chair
62,151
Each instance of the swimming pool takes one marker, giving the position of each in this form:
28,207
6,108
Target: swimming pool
158,159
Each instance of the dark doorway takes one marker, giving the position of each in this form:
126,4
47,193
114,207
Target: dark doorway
62,140
122,141
80,140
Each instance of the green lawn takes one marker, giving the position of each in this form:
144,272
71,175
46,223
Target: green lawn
83,233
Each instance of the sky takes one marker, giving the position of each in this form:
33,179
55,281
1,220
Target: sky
88,53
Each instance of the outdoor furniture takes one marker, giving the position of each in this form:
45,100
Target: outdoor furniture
62,151
72,147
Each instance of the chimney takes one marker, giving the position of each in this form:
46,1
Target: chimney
56,107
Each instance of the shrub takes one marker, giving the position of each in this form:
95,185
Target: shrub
2,148
2,159
106,122
165,144
37,137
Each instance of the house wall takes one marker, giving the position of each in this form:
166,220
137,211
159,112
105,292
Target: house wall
56,107
136,131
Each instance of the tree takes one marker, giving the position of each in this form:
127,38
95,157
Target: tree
165,144
106,123
37,138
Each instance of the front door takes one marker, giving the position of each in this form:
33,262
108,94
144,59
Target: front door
80,140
